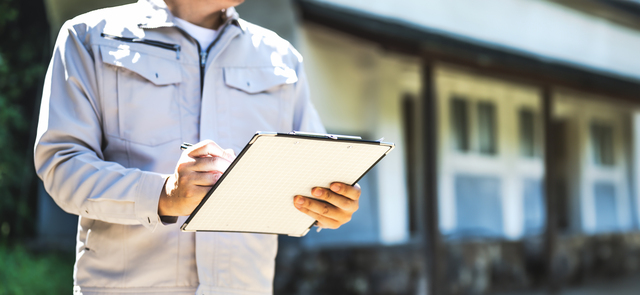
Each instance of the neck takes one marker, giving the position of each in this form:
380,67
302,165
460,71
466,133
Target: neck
198,12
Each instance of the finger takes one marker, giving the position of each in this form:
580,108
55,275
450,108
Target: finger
335,199
321,208
202,179
323,221
231,154
210,164
208,148
349,191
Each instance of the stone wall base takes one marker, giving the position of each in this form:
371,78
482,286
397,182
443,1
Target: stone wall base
470,266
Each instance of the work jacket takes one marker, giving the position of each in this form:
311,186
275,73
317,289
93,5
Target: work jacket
125,87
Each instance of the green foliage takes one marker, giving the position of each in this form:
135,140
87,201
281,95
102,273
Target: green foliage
23,54
27,273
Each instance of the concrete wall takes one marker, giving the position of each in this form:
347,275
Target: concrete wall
540,28
358,89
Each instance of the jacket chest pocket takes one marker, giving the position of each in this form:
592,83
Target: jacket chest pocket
141,96
261,99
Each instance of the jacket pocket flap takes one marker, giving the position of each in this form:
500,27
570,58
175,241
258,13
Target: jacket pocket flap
159,71
258,79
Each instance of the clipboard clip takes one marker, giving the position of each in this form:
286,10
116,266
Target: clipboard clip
331,136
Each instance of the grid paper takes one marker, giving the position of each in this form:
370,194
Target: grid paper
257,194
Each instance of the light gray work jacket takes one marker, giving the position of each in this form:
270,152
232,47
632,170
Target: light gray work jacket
122,92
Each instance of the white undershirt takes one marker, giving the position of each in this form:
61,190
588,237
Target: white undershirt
204,36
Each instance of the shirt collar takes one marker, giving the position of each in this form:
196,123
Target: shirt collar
158,15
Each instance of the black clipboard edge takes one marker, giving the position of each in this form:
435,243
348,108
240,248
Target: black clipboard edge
315,136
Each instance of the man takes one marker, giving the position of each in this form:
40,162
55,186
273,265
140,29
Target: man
125,87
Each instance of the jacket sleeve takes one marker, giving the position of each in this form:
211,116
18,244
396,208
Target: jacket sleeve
68,155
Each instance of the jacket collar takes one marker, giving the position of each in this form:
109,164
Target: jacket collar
158,15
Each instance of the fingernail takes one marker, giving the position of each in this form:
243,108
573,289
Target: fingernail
317,192
336,187
216,177
298,202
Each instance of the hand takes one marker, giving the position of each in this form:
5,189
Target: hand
198,169
341,202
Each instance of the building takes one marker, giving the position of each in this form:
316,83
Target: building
517,124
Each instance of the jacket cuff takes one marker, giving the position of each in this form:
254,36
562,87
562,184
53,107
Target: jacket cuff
147,197
166,220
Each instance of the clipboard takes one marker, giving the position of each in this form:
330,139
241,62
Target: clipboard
255,194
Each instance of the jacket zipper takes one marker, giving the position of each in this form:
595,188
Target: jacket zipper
203,62
205,53
169,46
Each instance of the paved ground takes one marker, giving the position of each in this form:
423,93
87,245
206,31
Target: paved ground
629,285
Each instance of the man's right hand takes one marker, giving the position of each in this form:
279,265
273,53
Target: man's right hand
198,169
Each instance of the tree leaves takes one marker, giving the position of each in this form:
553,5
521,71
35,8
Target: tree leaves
24,49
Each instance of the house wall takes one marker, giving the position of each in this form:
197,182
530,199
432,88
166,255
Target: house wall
584,176
542,29
358,89
352,87
498,193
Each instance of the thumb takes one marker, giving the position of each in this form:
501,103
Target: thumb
207,148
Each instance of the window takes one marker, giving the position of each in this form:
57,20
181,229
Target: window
460,124
478,205
487,128
527,133
482,137
534,206
605,201
602,142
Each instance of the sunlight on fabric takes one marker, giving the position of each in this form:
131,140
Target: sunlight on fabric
276,60
136,57
255,40
286,72
122,52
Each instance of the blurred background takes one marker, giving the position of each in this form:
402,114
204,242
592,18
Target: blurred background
517,125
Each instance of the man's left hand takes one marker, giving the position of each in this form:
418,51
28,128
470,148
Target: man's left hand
341,202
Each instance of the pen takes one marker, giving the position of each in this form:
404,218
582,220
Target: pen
185,145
